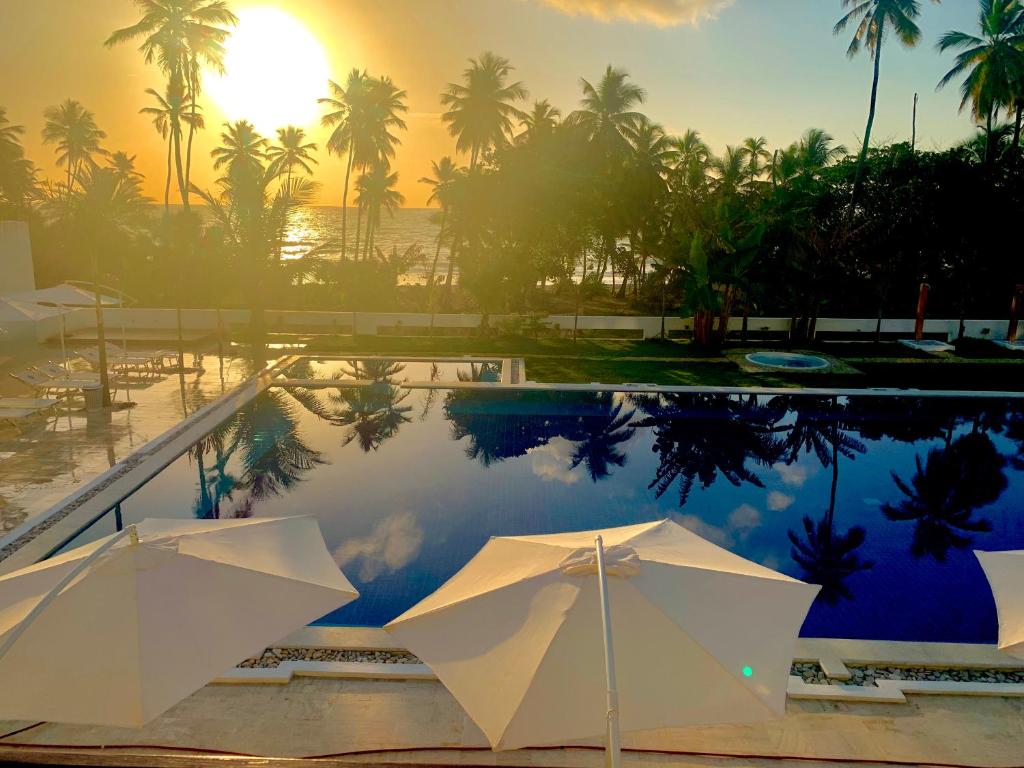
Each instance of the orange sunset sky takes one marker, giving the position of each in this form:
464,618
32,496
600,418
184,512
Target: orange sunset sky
728,68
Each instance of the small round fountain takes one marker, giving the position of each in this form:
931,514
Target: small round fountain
788,361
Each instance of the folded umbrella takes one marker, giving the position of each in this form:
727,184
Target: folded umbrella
1005,573
119,630
694,635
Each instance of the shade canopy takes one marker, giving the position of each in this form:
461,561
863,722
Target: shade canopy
700,635
148,623
63,295
1005,572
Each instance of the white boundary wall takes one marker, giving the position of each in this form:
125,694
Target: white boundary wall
370,323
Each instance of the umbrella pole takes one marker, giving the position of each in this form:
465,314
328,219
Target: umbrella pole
613,755
50,596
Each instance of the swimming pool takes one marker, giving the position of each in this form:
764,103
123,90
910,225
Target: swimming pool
879,499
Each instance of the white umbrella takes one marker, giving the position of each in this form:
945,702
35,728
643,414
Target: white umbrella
1005,572
700,635
116,632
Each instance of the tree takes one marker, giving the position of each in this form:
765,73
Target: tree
376,193
290,151
345,116
242,151
253,210
104,207
17,174
480,112
181,36
755,151
172,110
873,19
992,65
540,122
444,173
607,114
72,128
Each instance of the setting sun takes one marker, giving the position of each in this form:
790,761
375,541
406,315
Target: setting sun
275,69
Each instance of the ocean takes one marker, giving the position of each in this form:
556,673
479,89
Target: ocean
408,226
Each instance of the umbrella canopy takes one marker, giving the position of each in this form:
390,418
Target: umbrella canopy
64,295
149,621
1005,572
700,634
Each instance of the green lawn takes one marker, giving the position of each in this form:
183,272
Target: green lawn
619,361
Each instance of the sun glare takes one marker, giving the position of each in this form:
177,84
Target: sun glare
276,69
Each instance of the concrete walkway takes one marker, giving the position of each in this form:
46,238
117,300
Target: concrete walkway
372,720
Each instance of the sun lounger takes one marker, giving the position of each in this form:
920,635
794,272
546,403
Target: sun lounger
117,361
55,371
28,402
156,356
14,414
44,384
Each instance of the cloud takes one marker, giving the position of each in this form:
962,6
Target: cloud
794,475
741,521
778,501
394,543
552,461
661,13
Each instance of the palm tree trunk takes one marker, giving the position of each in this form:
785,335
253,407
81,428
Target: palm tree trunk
1018,118
178,166
859,178
344,205
167,186
188,146
359,226
990,136
437,255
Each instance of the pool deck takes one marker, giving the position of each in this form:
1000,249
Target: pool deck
418,722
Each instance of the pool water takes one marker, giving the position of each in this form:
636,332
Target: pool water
880,500
397,371
790,360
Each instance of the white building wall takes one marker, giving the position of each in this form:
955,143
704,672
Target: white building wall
16,273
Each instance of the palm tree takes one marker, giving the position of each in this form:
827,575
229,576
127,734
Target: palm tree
17,174
816,149
731,168
123,166
607,115
181,36
102,209
539,122
755,150
992,65
443,174
873,19
253,216
172,110
945,492
363,116
72,128
344,116
376,192
290,151
243,150
694,158
480,111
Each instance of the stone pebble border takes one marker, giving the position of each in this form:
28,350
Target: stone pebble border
868,675
272,657
809,672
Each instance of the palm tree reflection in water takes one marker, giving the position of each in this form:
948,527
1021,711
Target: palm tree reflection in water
827,556
945,492
265,437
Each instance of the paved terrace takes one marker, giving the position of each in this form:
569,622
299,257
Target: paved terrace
417,721
45,460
